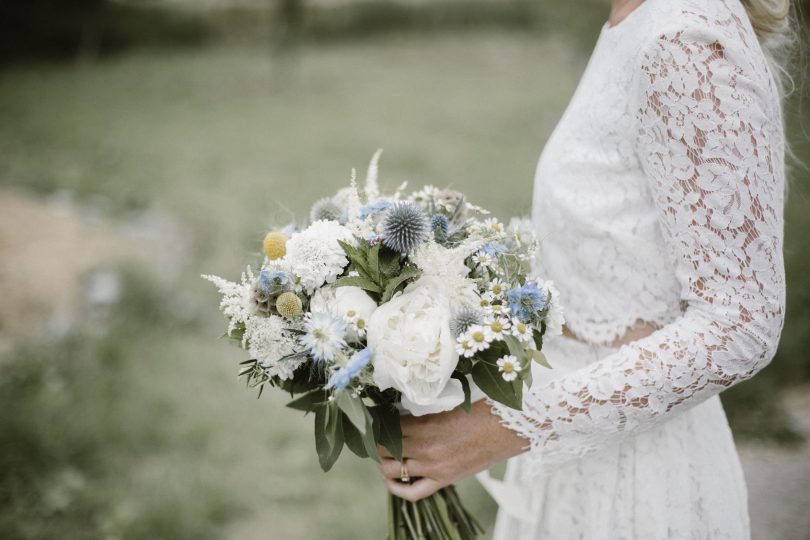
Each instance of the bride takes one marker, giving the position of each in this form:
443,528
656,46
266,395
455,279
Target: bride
659,198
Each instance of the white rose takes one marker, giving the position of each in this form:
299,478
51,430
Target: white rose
350,303
414,350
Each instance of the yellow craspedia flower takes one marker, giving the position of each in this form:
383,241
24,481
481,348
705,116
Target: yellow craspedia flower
275,245
289,305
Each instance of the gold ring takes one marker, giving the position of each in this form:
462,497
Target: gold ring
404,477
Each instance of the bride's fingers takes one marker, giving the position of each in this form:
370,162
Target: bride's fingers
424,487
384,453
392,469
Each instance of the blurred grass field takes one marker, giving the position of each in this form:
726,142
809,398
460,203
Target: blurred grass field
140,429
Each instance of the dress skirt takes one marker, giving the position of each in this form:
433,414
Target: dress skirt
678,480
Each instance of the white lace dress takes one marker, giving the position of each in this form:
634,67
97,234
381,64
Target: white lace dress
659,200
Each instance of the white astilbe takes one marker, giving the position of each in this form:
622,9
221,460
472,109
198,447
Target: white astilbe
315,256
269,341
235,303
372,188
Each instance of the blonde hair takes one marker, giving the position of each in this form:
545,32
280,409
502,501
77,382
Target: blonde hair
773,23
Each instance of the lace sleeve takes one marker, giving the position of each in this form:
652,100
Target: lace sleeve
711,143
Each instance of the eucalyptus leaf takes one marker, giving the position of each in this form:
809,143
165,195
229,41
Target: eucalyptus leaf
538,338
491,382
540,358
308,402
369,438
332,421
353,438
466,406
388,430
328,452
516,348
353,408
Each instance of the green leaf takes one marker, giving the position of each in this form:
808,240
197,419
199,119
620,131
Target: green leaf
516,348
465,384
407,273
332,421
358,281
353,438
538,338
389,262
308,402
374,263
369,439
490,381
328,452
353,408
387,429
357,257
540,358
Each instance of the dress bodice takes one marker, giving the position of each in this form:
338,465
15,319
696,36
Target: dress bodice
659,198
594,203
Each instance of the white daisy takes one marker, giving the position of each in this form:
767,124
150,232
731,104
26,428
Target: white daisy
497,288
324,336
356,322
496,328
483,259
464,346
509,367
477,337
493,225
496,309
522,331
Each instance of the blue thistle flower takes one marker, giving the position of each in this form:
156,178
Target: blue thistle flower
327,209
373,208
341,378
439,224
404,227
526,302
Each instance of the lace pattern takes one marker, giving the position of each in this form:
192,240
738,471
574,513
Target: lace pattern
671,203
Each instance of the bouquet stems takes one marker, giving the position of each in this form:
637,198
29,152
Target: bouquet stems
438,517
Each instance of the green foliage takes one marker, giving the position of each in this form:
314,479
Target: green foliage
387,429
77,430
486,375
382,272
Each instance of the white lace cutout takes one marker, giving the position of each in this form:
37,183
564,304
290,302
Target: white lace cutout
672,214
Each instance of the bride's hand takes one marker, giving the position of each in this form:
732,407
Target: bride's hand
439,449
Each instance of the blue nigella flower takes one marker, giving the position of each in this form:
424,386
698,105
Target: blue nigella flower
341,378
526,302
493,248
373,208
324,336
275,281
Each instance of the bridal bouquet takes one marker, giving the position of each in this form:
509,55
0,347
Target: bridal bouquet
388,305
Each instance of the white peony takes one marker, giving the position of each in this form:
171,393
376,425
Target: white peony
348,303
315,256
414,350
